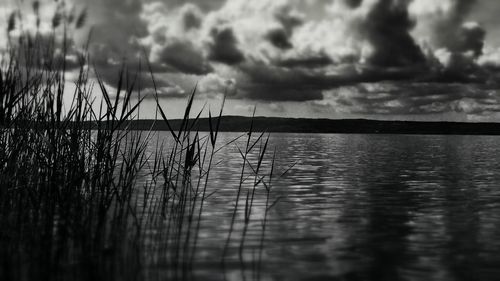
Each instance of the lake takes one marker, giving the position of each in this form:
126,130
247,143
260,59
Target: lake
357,207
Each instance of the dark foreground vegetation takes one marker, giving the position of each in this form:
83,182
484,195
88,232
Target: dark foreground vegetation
81,202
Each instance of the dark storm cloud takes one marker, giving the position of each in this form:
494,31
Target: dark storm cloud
387,27
191,20
277,84
224,47
279,38
273,83
470,38
185,58
353,3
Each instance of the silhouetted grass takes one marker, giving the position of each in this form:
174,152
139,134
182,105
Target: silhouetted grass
92,202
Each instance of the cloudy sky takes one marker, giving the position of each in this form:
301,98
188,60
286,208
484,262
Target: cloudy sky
381,59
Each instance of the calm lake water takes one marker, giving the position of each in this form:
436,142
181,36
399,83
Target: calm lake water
360,207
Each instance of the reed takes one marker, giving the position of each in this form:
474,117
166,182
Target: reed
82,195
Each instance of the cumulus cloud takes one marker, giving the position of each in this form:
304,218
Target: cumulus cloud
282,56
374,32
490,58
442,26
362,56
440,22
175,38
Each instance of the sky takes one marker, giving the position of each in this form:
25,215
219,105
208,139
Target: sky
380,59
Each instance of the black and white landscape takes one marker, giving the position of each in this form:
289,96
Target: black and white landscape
249,140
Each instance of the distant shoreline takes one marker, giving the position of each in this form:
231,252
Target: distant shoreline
333,126
304,125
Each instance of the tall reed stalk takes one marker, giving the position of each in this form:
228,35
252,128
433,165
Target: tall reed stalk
82,195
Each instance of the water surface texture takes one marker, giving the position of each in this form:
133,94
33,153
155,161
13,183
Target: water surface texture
361,207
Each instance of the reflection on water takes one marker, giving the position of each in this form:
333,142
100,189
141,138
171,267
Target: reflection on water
361,207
